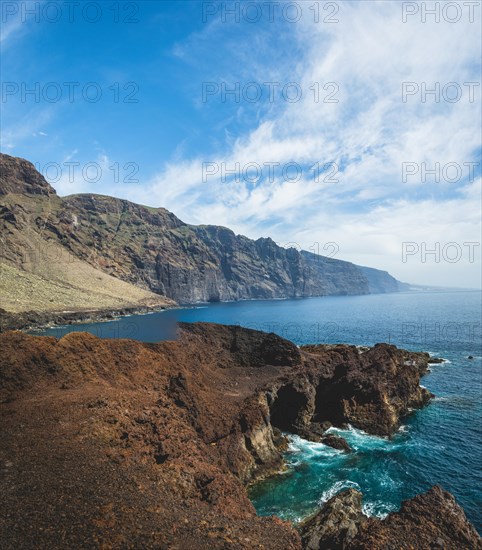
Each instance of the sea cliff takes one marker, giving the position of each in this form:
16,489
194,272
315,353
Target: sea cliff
119,444
91,249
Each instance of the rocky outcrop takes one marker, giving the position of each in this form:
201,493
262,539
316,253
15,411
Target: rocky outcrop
152,445
336,442
372,390
432,520
441,524
20,176
154,250
336,525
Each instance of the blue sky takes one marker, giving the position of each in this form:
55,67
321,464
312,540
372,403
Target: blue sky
319,93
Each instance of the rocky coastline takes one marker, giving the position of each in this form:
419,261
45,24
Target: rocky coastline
422,522
37,320
123,444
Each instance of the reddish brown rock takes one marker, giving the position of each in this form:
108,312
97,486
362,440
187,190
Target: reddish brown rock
373,390
432,520
117,443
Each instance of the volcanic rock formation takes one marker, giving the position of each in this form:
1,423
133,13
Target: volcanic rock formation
123,444
432,520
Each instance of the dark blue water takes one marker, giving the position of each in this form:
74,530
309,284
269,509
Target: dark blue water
440,444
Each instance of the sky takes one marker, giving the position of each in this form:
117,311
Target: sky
349,128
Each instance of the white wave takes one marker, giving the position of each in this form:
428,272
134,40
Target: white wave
337,488
299,445
359,439
374,509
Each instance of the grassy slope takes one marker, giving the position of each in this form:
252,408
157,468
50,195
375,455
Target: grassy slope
39,274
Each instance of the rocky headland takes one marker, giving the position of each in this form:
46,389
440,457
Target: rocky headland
92,251
123,444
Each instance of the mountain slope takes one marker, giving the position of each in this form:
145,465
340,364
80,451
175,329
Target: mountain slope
36,271
154,250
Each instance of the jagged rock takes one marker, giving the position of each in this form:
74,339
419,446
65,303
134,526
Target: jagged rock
336,442
152,445
7,214
430,520
372,391
313,431
280,441
336,524
126,441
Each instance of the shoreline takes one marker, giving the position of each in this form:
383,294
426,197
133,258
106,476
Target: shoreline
40,320
33,320
140,413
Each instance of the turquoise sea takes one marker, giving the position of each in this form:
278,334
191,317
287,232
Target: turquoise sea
440,444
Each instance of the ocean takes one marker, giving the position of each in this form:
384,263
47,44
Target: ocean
440,444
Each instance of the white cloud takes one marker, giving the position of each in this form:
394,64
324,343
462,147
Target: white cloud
25,126
72,175
370,132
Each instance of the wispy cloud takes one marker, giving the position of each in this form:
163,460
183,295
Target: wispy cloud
16,19
369,133
351,127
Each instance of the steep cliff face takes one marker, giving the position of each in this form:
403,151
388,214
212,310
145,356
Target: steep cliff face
380,282
37,272
152,249
122,444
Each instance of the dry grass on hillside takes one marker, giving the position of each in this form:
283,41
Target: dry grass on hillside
72,287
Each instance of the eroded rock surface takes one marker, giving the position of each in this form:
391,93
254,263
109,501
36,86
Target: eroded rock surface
336,524
117,443
432,520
